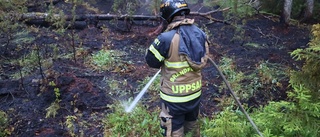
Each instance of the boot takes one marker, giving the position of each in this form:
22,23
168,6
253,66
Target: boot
192,127
178,133
165,121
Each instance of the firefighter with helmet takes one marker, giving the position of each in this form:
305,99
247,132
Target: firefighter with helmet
181,52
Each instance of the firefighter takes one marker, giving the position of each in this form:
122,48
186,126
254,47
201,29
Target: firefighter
181,51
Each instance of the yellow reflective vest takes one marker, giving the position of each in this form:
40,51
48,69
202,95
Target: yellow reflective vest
180,74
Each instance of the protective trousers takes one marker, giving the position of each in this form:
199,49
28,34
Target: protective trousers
180,119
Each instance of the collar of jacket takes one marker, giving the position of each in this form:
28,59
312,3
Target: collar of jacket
178,22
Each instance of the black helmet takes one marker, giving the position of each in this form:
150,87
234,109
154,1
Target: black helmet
168,8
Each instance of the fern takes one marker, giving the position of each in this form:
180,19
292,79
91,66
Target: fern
52,110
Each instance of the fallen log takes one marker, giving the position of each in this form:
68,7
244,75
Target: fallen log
43,16
86,19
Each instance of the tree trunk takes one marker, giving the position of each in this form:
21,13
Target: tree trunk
286,13
308,11
256,4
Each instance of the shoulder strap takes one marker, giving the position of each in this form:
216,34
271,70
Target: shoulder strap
174,48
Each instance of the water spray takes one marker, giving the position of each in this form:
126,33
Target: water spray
145,88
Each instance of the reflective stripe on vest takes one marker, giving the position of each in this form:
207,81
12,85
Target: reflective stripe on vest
156,53
179,99
176,64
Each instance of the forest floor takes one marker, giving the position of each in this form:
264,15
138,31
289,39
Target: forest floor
87,92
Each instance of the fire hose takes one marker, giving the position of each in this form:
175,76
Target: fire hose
135,101
235,97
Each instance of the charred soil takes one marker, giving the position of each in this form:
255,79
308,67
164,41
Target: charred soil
85,92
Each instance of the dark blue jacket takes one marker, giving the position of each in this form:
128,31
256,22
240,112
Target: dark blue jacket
192,44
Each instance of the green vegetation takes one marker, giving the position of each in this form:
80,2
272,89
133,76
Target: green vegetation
266,78
239,8
70,123
154,7
114,86
3,124
61,25
210,3
229,123
299,116
52,110
12,36
154,88
28,63
272,6
308,77
73,35
229,69
58,22
103,60
139,123
128,7
9,24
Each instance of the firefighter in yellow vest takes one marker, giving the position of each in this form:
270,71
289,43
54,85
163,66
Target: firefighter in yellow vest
181,51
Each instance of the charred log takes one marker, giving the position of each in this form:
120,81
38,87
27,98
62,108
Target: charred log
91,20
42,16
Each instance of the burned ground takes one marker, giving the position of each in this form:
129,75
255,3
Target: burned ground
86,93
